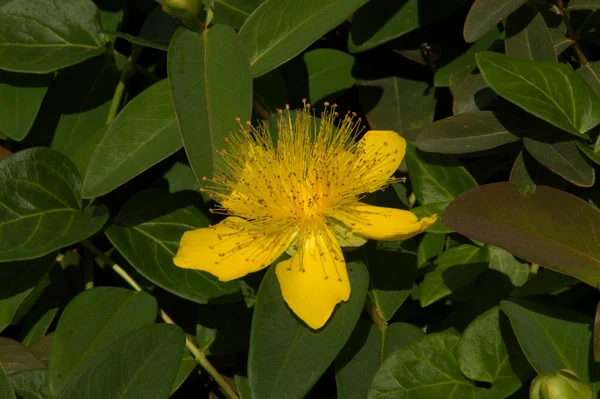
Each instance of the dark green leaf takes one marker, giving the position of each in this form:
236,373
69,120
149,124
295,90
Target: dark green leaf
142,364
111,12
180,177
326,73
473,94
528,171
583,5
234,12
590,72
159,27
17,282
15,357
558,228
34,329
434,372
471,132
392,272
270,91
484,15
91,323
223,329
528,37
287,357
431,245
553,338
435,208
380,21
561,157
550,91
30,384
147,232
436,178
403,105
364,353
208,97
545,281
278,30
186,366
560,39
143,133
59,34
505,263
41,205
21,96
593,156
6,390
455,268
140,41
42,347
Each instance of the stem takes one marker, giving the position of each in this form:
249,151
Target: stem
126,73
198,354
572,34
260,110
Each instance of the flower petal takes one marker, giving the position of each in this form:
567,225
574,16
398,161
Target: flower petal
230,249
380,153
315,279
382,223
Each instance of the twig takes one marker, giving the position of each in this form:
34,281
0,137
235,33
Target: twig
126,73
198,354
572,34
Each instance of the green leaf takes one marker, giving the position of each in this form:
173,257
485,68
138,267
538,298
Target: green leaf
394,103
471,132
545,282
592,156
223,329
590,72
41,209
21,96
528,37
434,372
147,233
436,178
550,91
234,12
278,30
180,177
326,73
59,34
552,337
583,5
36,323
380,21
143,133
287,357
561,157
92,322
431,245
81,113
488,351
140,41
557,227
270,91
6,390
473,94
17,282
208,97
31,384
505,263
142,364
364,353
393,271
435,208
527,171
455,268
42,347
484,15
15,357
111,12
186,366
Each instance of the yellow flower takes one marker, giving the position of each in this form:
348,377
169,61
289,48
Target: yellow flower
301,194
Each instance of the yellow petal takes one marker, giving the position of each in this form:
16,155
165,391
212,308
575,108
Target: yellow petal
380,153
382,223
315,279
230,249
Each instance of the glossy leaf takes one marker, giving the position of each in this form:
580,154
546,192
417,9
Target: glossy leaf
91,323
435,208
561,157
208,97
21,96
590,72
380,21
434,371
484,15
528,37
488,351
435,178
17,282
278,30
143,133
455,268
6,390
473,94
431,245
147,233
41,208
552,337
568,102
364,353
281,346
395,103
31,384
142,364
557,227
471,132
393,271
15,357
59,34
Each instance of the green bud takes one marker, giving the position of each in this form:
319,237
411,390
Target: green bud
565,385
184,10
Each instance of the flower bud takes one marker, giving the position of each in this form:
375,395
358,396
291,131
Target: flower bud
184,10
565,385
